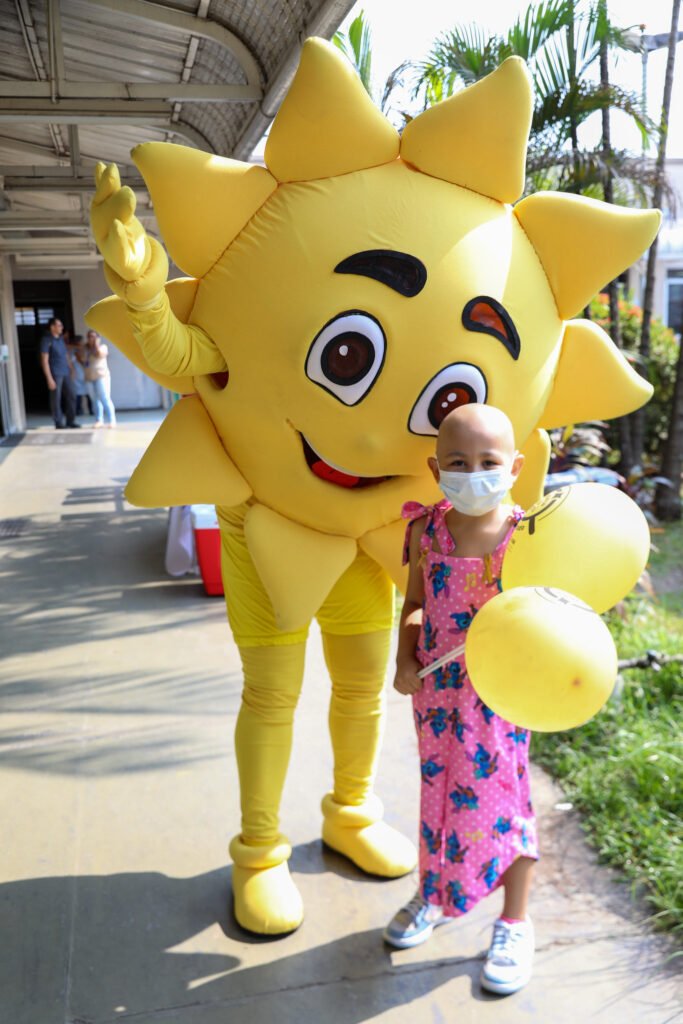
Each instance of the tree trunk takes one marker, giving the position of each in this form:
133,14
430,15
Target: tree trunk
638,418
623,424
571,60
668,499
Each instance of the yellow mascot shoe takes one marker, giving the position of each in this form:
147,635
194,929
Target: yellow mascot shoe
361,835
266,900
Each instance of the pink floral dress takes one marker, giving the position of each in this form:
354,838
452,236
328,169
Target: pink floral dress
476,815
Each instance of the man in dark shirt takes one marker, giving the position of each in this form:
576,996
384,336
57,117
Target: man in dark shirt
55,362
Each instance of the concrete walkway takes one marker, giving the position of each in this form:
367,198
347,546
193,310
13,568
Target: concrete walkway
119,688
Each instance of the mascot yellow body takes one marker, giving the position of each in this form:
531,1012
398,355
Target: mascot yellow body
340,303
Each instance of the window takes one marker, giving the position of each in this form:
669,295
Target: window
44,315
25,316
674,300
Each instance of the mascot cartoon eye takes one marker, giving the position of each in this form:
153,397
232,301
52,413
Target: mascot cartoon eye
347,356
487,316
455,385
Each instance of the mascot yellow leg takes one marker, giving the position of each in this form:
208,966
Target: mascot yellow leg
352,815
355,620
266,899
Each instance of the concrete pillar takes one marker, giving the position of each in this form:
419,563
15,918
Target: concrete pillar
11,388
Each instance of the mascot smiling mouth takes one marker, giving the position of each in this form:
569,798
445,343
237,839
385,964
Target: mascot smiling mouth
334,474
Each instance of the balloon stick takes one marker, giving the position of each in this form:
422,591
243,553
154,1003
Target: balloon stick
443,660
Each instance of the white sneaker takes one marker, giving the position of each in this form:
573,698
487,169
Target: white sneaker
413,923
510,957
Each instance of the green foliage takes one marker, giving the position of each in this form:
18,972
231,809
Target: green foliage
666,565
582,445
624,770
560,42
659,369
356,45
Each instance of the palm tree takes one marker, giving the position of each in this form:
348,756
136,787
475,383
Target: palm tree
356,45
560,45
623,424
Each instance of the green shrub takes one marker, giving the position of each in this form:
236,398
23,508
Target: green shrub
624,770
660,368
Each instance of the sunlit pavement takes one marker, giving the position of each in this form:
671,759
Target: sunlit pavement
120,688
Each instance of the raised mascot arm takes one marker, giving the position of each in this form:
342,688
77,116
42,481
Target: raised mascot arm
136,268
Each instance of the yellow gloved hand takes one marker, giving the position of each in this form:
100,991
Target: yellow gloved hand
135,265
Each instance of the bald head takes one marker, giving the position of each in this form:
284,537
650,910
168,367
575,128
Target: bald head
482,427
476,437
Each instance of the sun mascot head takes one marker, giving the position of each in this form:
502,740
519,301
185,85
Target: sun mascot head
358,289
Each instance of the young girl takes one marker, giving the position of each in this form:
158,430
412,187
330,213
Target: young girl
477,826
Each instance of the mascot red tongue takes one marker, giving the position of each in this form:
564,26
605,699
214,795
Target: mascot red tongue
410,245
334,476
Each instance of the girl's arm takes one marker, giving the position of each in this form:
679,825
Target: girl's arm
407,680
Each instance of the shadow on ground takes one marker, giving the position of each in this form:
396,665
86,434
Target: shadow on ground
66,582
80,601
121,951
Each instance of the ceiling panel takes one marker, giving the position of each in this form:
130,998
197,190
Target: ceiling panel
117,80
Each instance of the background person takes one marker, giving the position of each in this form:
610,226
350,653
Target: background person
56,365
84,403
99,379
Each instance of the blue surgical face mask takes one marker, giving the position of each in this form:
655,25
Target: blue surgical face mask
475,494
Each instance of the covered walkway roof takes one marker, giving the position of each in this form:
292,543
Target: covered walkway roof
87,80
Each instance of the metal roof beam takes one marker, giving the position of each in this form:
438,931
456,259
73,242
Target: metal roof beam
324,23
145,112
74,149
191,24
187,92
55,46
58,261
8,144
52,220
48,183
40,171
82,246
28,31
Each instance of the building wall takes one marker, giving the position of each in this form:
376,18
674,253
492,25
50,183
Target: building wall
670,254
13,412
131,389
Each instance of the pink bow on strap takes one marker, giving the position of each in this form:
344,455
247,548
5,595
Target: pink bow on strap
413,510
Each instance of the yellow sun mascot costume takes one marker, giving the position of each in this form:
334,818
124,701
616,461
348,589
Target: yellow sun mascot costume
339,303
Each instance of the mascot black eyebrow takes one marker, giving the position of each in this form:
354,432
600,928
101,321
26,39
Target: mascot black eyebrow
338,302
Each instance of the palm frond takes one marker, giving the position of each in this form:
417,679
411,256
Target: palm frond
396,79
561,41
465,53
532,30
584,172
551,70
360,42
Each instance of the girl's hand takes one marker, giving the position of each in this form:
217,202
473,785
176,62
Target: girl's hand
406,680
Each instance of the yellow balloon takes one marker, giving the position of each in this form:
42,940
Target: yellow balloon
541,658
589,539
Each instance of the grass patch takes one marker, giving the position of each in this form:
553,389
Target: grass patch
624,769
667,548
666,566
